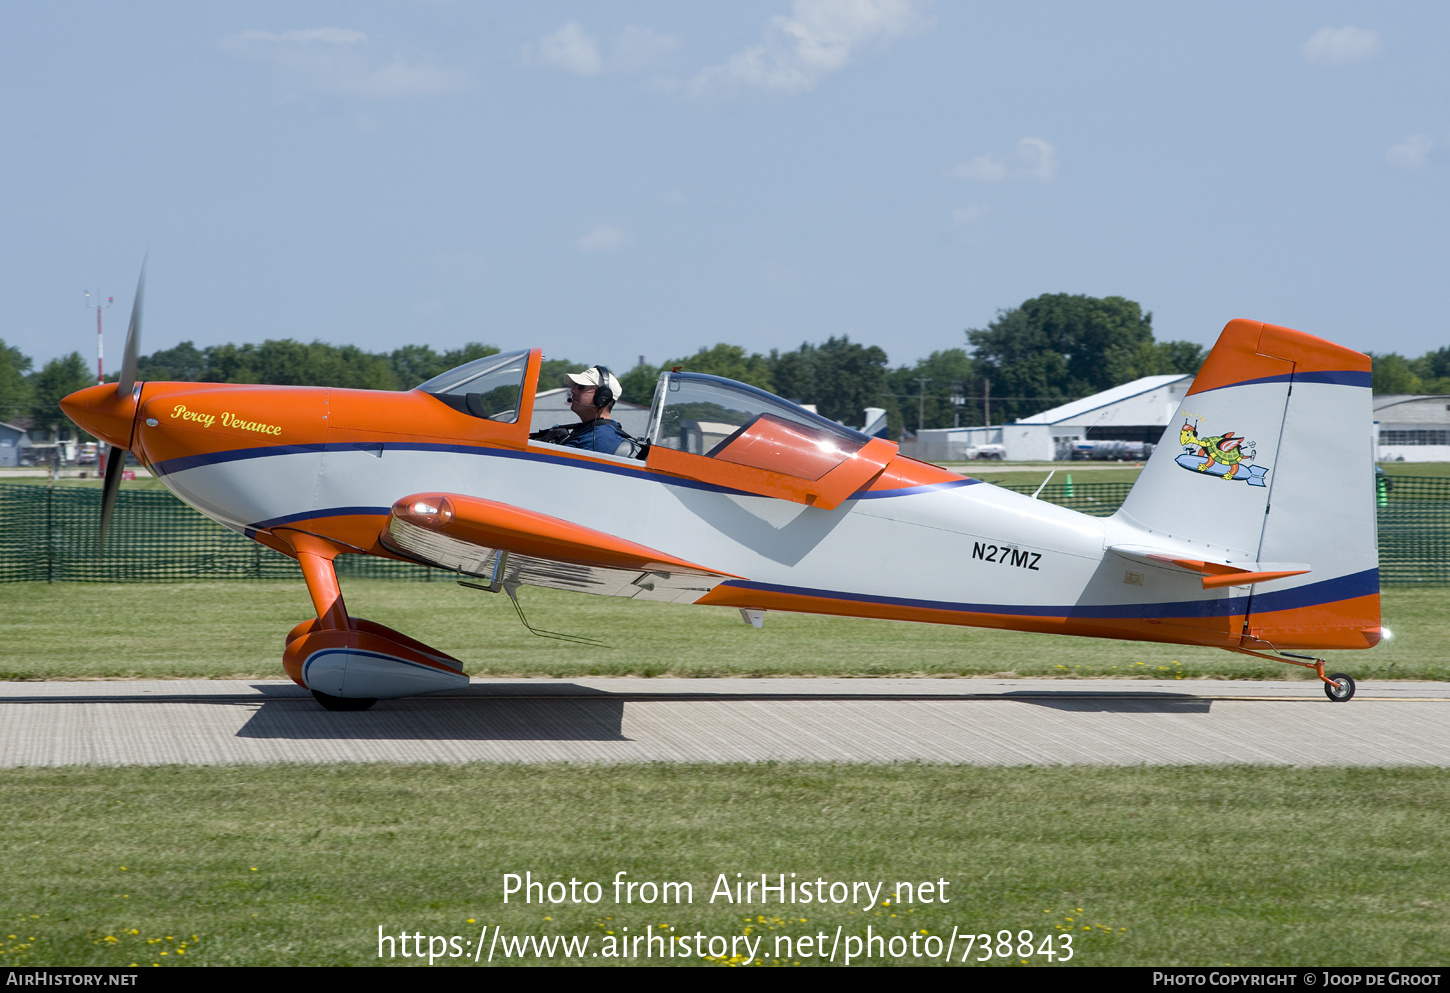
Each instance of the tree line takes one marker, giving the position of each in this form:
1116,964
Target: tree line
1393,373
1046,352
1052,349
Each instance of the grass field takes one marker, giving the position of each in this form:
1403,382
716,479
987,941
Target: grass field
289,865
235,630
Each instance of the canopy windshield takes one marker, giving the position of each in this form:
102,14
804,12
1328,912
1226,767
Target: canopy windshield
725,420
489,387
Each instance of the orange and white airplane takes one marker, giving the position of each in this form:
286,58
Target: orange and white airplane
1256,535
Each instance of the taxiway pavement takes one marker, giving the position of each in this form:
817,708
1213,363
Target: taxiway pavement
971,721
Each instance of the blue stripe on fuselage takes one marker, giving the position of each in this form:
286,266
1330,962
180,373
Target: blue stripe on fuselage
1327,591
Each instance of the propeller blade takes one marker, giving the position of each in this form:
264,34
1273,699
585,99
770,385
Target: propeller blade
133,340
116,457
115,463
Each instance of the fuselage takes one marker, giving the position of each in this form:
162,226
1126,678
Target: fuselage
912,542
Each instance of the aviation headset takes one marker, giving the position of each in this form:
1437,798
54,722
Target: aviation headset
603,395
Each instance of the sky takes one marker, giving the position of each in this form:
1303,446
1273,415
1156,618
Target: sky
616,180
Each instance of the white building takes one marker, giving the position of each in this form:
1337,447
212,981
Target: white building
949,444
12,440
1412,428
1138,411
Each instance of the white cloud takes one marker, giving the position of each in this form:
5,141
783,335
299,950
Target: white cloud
335,60
969,216
1032,159
982,169
817,38
1412,153
1037,159
603,238
636,49
574,49
1341,46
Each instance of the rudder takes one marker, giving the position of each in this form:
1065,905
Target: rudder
1268,463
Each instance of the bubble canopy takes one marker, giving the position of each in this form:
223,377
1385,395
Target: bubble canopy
722,419
490,387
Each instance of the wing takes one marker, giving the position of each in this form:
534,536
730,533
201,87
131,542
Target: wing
506,544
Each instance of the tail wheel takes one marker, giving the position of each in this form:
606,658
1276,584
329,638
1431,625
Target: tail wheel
343,703
1340,688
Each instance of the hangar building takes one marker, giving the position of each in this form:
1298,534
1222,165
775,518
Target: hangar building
1136,411
1412,428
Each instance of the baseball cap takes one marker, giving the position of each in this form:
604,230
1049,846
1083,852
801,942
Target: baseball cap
590,377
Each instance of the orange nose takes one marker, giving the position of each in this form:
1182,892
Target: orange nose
99,411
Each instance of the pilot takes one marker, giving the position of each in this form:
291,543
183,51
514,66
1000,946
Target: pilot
592,395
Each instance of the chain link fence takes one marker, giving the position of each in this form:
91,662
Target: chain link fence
48,533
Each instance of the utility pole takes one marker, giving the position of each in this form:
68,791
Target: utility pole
921,406
100,342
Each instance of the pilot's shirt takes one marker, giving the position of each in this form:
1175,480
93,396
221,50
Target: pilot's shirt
600,435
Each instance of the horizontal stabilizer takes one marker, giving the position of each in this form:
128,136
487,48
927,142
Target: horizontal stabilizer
1215,574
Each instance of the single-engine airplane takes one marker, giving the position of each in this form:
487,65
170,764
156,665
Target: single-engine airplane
1256,535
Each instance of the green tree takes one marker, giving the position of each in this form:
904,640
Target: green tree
1392,373
1178,356
1059,347
949,393
58,379
730,361
183,364
286,362
841,377
291,363
638,383
552,372
794,373
1433,368
415,364
14,390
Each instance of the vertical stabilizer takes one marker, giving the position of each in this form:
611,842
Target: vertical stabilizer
1268,464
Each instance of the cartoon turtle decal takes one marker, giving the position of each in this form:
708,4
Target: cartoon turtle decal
1220,455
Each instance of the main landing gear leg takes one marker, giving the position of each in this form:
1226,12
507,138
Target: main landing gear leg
347,662
1338,687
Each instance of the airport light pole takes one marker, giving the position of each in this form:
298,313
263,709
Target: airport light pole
100,363
100,341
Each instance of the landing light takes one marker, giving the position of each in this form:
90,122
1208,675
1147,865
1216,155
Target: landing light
426,512
1386,634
